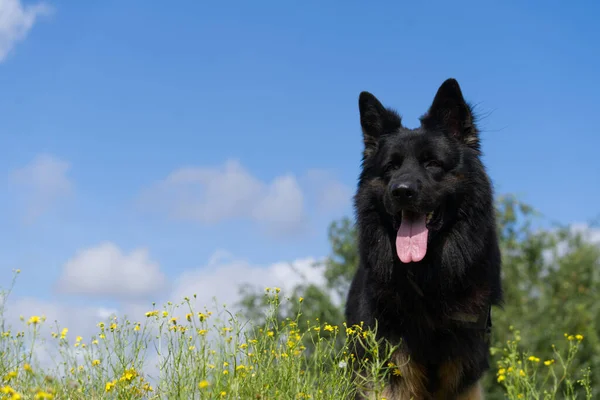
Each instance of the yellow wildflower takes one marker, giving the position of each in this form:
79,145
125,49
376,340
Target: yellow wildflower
147,387
8,377
110,386
203,384
14,395
129,374
7,390
43,395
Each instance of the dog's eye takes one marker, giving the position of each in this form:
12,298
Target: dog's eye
433,164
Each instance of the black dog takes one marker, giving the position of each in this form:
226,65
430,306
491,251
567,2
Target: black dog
429,255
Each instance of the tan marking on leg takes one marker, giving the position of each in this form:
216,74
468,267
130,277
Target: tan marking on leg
412,382
449,374
410,385
475,392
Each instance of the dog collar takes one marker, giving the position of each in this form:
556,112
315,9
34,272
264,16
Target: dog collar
481,321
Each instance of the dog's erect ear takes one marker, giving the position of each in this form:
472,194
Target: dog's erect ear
375,120
450,113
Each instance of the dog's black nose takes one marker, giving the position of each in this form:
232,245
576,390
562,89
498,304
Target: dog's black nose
404,190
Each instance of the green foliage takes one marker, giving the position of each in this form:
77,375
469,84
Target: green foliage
525,376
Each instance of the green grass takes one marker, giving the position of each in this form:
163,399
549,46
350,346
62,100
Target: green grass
212,355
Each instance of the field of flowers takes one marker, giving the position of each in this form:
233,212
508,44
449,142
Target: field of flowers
176,352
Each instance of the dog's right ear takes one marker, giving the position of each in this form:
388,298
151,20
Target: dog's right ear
375,120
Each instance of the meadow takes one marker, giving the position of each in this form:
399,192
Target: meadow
177,352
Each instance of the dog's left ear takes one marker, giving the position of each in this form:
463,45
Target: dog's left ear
450,113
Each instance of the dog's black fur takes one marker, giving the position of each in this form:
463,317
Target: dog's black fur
418,303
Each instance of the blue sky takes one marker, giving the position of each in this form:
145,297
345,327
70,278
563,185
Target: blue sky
118,117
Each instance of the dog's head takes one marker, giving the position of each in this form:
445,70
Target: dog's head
419,172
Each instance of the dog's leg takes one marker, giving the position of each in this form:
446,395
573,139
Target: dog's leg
475,392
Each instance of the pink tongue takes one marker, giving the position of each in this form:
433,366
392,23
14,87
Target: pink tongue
411,240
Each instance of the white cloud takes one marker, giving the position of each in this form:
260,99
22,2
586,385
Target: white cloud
42,182
213,194
282,207
210,195
105,270
330,193
589,234
224,274
16,20
105,313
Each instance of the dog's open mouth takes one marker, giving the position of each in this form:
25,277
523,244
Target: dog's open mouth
413,233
